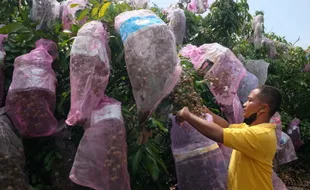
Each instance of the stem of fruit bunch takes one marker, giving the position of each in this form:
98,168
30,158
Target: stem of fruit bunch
145,134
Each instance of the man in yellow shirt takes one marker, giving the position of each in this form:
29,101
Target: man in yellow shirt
254,141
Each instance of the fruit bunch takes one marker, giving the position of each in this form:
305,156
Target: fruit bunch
185,95
31,111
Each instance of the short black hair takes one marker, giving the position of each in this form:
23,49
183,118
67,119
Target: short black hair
271,96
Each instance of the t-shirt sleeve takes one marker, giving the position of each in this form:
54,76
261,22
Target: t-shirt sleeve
243,139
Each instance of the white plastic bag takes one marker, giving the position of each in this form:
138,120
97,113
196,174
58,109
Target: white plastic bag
177,24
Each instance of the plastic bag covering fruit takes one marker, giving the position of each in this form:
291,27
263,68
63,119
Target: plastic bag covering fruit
2,57
307,68
89,71
294,132
258,27
198,6
101,159
45,12
12,158
196,55
224,75
271,45
177,24
31,98
138,4
151,58
276,119
198,160
247,84
286,153
70,7
277,182
233,112
259,68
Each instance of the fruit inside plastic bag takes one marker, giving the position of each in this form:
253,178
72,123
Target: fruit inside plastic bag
294,132
101,159
198,160
69,10
45,12
151,58
177,23
259,68
12,158
31,98
2,58
89,71
198,6
247,84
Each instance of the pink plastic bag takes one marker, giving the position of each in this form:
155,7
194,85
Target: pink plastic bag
224,75
31,99
234,112
196,55
198,6
70,7
277,182
276,119
198,160
286,153
248,83
307,68
151,58
101,159
294,132
2,74
89,71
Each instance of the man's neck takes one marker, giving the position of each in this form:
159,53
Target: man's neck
260,121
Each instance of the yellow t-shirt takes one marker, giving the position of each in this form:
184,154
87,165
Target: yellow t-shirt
254,147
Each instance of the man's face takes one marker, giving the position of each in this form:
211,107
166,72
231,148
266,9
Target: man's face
253,104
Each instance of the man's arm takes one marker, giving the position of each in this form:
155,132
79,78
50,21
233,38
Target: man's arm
218,120
209,129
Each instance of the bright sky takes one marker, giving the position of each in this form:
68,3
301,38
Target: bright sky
284,17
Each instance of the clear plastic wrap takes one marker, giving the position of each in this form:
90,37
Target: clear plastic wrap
294,132
198,160
70,8
286,153
177,23
101,159
151,58
45,12
31,99
259,68
248,83
89,71
138,4
258,27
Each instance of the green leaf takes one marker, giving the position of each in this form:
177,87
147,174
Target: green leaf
94,11
74,5
94,2
12,27
136,161
103,9
83,14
